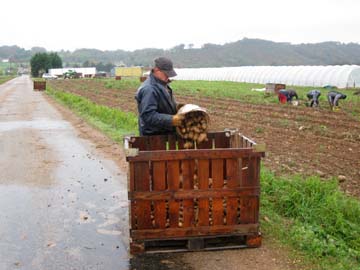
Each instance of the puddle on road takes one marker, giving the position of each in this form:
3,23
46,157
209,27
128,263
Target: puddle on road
79,222
40,124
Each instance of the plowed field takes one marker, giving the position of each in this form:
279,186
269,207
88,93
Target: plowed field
299,140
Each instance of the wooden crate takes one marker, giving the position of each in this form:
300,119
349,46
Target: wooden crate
40,85
274,88
186,198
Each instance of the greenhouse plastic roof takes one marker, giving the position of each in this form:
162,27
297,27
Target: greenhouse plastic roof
341,76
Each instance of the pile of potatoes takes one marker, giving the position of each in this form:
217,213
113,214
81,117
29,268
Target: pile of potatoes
194,128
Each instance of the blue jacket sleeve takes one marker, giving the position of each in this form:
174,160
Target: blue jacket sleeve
148,110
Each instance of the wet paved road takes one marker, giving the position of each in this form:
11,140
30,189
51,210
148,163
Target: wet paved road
62,205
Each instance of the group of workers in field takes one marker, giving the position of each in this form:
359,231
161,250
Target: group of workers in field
158,110
333,97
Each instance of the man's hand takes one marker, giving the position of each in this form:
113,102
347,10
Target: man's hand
177,119
178,106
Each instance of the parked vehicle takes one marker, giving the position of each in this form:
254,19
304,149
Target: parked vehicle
72,74
48,76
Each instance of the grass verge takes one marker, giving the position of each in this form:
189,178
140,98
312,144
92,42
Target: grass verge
310,215
314,217
113,122
4,79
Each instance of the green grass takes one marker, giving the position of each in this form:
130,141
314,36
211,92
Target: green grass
123,84
320,223
113,122
314,217
4,79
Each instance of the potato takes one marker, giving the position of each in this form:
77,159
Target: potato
188,145
202,137
194,128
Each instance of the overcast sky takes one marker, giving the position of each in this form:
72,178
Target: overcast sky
139,24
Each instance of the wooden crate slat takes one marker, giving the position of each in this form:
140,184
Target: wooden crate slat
248,205
172,142
203,204
131,188
245,171
158,180
173,182
233,182
252,171
221,140
159,184
139,142
241,229
157,142
195,194
188,171
257,182
192,154
142,183
255,208
257,171
132,214
217,174
206,144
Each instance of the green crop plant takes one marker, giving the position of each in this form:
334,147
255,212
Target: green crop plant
123,84
259,130
4,79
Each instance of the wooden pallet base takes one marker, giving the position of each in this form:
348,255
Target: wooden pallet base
196,244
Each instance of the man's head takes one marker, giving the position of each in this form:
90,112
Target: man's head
165,66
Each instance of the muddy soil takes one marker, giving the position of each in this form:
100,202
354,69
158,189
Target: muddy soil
299,140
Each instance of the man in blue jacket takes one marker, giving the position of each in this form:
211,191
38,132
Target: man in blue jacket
156,104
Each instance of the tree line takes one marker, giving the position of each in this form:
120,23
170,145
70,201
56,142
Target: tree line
245,52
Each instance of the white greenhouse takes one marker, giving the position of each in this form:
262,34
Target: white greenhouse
345,76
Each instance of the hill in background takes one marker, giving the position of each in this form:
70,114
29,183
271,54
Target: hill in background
245,52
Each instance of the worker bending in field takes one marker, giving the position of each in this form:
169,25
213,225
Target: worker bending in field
313,97
287,95
156,105
333,98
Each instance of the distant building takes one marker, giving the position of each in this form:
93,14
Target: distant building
129,71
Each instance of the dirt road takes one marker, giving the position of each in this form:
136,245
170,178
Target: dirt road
63,196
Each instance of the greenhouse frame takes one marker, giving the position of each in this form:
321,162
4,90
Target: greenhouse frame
344,76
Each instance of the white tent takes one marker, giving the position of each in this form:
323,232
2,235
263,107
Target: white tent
341,76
